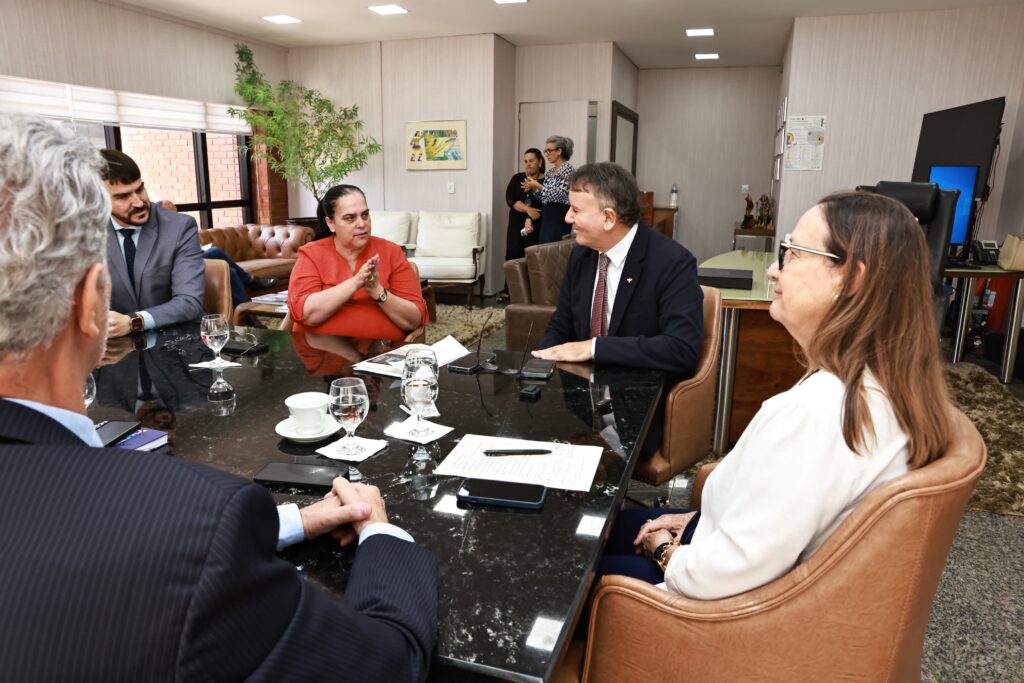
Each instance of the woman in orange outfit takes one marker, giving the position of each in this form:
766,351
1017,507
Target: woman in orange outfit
352,284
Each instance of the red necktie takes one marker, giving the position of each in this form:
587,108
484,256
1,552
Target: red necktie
599,311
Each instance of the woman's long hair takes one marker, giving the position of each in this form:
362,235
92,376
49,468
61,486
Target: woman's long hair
882,321
326,207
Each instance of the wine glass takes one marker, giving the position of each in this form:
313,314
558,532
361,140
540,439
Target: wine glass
349,405
221,395
215,332
419,385
89,390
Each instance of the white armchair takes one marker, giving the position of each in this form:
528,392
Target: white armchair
395,226
448,249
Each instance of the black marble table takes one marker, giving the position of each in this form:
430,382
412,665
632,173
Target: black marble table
512,583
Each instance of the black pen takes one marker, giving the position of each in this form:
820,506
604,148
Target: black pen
520,451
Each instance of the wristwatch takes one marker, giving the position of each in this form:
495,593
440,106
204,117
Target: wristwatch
661,555
138,324
383,295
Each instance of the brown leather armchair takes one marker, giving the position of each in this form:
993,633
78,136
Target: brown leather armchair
856,610
533,285
689,406
267,251
217,298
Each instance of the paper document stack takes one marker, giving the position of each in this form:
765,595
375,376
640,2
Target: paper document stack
566,467
390,363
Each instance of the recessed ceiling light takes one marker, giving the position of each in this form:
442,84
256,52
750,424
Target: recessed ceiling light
697,32
282,19
508,2
706,55
384,10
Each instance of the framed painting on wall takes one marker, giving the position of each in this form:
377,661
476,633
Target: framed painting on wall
435,145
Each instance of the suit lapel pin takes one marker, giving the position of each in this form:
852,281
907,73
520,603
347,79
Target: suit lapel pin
629,280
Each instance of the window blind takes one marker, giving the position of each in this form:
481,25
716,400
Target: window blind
100,105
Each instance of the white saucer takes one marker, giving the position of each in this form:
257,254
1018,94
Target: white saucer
287,430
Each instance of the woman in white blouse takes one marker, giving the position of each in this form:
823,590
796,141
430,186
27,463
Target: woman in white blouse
852,288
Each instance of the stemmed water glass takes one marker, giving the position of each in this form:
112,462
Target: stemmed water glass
221,395
419,386
215,332
89,390
349,405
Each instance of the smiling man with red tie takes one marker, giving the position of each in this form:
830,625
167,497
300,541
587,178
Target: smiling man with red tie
630,295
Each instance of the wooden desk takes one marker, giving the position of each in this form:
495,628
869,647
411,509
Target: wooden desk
756,351
968,278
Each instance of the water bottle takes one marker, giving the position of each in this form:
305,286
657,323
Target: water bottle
673,197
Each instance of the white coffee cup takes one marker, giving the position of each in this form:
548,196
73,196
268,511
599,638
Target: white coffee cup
308,411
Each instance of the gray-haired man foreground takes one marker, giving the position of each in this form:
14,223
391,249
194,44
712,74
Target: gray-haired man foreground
125,566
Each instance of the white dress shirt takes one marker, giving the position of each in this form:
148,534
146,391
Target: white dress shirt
616,260
785,487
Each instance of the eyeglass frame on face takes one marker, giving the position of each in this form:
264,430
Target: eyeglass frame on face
550,151
785,245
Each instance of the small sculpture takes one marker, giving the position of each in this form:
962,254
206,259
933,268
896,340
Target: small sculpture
765,213
748,215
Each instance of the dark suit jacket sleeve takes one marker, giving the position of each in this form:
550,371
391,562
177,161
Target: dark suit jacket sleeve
561,327
188,274
253,617
680,312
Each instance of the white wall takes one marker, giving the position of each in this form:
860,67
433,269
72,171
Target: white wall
1011,215
709,131
875,76
105,46
625,80
347,75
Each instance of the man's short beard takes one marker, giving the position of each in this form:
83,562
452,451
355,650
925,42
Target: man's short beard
129,220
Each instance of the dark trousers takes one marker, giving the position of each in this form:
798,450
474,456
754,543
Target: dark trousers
619,554
552,223
239,278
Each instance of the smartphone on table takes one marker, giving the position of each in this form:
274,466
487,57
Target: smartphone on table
501,493
316,477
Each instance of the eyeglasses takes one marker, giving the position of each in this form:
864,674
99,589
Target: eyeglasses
549,151
785,245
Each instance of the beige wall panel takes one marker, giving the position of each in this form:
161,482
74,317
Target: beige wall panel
557,73
1011,214
625,77
107,46
506,156
875,76
347,75
709,131
440,79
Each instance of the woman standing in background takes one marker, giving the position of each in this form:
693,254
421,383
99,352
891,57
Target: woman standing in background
523,210
554,193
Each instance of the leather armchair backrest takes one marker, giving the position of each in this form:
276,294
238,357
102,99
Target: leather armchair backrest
217,297
934,209
856,610
545,264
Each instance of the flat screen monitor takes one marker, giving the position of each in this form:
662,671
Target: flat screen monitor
958,178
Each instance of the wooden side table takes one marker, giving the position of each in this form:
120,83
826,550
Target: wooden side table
766,238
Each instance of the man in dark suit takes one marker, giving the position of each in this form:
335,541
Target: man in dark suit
156,267
630,295
125,566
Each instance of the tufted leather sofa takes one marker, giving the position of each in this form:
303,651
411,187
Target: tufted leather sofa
533,285
262,250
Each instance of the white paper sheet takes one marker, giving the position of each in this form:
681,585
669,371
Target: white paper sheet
390,363
567,467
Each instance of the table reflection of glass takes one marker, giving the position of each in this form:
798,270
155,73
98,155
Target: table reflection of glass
511,583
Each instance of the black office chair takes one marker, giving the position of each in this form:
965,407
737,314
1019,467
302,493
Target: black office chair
934,209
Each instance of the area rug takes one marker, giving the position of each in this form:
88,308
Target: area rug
464,323
999,417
